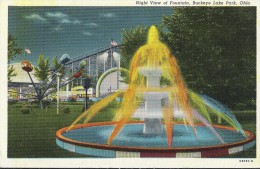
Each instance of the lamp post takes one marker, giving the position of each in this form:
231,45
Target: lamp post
86,85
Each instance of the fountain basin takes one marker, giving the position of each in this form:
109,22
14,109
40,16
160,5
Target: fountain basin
90,139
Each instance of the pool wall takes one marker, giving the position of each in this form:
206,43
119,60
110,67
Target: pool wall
110,151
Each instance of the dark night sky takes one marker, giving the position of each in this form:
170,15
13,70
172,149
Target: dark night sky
53,31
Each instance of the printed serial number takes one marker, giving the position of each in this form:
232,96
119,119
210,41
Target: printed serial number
246,160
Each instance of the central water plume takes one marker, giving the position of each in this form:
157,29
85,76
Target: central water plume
154,55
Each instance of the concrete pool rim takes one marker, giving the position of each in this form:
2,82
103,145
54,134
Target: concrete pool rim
202,151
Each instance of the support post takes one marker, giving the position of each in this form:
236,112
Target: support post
58,93
118,73
89,66
40,98
39,93
67,90
20,91
41,105
104,65
97,67
33,84
72,72
111,57
86,99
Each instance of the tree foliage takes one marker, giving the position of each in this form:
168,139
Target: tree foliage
131,40
11,72
57,66
216,50
42,69
13,50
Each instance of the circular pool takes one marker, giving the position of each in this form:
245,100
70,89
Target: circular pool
91,138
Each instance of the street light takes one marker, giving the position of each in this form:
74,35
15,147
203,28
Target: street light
86,84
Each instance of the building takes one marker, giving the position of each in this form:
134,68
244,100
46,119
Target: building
21,83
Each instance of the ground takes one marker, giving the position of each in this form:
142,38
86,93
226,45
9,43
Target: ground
33,135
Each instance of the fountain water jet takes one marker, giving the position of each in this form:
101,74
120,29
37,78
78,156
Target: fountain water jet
156,59
123,138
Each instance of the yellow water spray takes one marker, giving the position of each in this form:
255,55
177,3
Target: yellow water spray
154,54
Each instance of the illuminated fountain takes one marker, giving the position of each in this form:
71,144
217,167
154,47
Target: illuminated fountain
174,121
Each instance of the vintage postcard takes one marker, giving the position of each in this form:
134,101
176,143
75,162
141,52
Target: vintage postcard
157,84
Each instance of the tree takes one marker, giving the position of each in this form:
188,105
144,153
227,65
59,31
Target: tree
13,50
41,73
42,69
11,72
216,50
131,40
57,66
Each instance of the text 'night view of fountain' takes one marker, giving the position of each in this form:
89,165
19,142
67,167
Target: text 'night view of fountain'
156,119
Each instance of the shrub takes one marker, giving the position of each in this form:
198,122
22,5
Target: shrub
11,102
66,110
251,104
240,106
25,110
46,102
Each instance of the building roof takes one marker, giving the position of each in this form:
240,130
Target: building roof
22,76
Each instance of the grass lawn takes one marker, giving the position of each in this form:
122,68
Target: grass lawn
31,136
